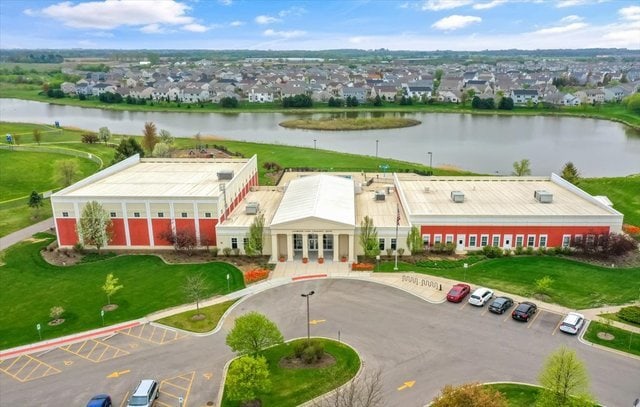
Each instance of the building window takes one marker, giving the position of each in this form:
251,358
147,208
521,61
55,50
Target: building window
112,214
381,244
591,240
449,239
519,240
297,242
245,242
543,241
426,240
496,241
161,214
207,214
327,242
578,239
183,214
531,240
234,242
65,214
394,246
472,240
484,240
136,214
566,240
437,239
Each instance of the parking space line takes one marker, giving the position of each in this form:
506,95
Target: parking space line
507,317
88,356
23,366
23,361
485,311
125,399
163,335
31,372
187,377
535,317
11,365
464,305
556,328
149,337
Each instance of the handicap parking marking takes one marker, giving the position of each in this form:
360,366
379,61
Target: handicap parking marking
173,388
25,368
94,350
153,334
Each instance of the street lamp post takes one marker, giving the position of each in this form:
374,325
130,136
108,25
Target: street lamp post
309,294
377,148
314,144
430,162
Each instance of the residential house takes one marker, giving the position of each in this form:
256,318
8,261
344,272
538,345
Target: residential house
100,88
590,96
68,88
386,92
260,94
522,96
359,93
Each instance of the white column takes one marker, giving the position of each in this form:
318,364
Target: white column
336,247
351,248
289,246
274,246
196,222
172,217
147,208
305,245
320,245
76,211
125,218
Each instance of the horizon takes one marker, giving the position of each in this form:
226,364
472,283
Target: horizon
226,25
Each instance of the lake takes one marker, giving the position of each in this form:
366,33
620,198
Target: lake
484,144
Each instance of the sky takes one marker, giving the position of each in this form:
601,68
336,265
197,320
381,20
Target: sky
425,25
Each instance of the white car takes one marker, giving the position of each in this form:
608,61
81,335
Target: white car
480,296
572,323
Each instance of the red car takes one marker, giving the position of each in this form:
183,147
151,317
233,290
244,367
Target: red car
458,292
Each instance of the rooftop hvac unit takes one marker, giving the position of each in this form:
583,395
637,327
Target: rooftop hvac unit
389,189
457,196
543,196
252,208
380,196
225,175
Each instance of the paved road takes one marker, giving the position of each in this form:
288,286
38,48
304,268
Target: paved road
25,233
407,338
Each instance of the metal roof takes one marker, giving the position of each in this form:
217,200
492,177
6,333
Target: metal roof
320,196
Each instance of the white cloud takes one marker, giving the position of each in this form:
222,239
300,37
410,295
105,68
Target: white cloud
284,34
152,29
30,12
570,3
110,14
225,2
196,28
236,23
630,13
436,5
267,20
455,22
486,6
292,11
560,29
571,19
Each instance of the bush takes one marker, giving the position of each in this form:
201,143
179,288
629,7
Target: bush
444,248
529,250
214,251
492,251
543,285
236,251
78,248
400,251
226,251
519,250
254,275
56,312
630,314
298,349
389,252
90,138
541,251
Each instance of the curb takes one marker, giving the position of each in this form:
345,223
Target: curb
585,342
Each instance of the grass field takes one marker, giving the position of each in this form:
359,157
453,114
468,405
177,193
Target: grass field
625,341
32,286
292,387
212,314
624,192
598,286
518,395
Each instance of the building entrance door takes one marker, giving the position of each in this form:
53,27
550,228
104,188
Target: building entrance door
460,242
508,241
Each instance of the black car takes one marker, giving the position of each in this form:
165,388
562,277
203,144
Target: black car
101,400
500,305
524,311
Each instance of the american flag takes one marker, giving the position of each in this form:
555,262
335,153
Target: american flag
398,216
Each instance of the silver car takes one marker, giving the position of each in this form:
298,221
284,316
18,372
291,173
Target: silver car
480,296
572,323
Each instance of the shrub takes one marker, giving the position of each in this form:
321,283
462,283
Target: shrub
78,247
308,355
90,138
518,251
400,251
254,275
362,266
631,229
444,248
56,312
389,252
226,251
541,251
543,285
214,251
507,252
236,251
529,250
298,349
630,314
492,251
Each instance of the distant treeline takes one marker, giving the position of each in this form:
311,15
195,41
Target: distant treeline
31,57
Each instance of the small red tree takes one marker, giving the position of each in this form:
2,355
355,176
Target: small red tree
181,239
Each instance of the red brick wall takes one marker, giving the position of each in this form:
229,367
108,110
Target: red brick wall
208,230
160,226
67,231
118,235
138,232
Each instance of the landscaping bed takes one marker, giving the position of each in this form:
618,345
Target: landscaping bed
612,337
204,320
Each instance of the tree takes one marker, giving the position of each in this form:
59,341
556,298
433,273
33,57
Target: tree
253,332
255,236
16,139
522,167
182,239
364,390
414,241
35,203
127,147
111,286
166,137
570,173
564,376
195,289
66,172
229,102
104,134
149,137
506,103
37,135
161,150
369,238
377,101
633,103
94,226
247,377
468,395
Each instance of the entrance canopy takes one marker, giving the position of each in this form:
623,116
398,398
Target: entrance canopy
322,197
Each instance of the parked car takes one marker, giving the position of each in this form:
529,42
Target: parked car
500,305
144,394
480,296
100,400
524,311
458,292
572,323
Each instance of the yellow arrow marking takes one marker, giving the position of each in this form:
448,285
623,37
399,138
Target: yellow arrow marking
317,321
407,385
68,362
118,374
208,376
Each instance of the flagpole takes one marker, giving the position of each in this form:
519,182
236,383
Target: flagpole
395,267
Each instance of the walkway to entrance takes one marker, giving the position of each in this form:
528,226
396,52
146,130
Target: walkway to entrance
297,269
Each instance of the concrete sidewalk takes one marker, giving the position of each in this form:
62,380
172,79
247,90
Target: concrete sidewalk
25,233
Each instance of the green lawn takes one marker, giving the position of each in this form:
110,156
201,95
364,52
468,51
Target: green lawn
625,341
17,215
292,387
576,285
518,395
31,287
212,314
624,192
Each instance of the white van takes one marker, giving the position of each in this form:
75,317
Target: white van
144,395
